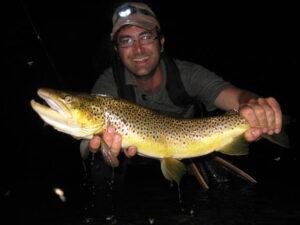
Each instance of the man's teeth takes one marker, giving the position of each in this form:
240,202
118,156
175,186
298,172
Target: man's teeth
140,59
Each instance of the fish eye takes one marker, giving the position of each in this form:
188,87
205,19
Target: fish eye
68,99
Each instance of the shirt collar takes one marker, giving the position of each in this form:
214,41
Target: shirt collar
129,78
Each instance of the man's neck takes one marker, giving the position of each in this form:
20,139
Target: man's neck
152,84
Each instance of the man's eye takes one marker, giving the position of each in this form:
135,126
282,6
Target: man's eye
146,37
125,40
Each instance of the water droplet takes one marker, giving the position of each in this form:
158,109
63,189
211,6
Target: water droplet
111,219
277,159
87,220
180,199
60,193
192,212
30,63
151,220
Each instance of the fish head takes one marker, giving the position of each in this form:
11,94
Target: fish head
78,115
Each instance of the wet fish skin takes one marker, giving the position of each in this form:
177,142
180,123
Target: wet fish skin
155,135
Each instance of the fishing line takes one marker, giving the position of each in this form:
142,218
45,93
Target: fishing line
44,48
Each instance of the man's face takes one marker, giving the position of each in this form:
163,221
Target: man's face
140,59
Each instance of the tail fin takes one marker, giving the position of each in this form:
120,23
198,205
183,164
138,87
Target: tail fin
282,138
239,146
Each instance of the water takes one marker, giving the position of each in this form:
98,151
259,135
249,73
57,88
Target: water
147,198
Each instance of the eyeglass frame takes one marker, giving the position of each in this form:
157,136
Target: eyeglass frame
155,37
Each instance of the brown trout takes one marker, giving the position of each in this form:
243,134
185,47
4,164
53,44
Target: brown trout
155,135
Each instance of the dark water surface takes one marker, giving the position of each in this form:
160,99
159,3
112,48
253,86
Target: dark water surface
147,198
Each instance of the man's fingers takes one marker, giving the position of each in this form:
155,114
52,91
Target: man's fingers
130,151
270,114
278,114
248,113
268,117
113,141
108,135
116,144
95,143
252,134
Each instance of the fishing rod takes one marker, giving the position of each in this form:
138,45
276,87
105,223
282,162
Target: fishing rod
42,43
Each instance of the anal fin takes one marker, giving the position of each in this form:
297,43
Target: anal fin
239,146
172,169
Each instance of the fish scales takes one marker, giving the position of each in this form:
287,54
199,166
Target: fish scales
167,136
155,135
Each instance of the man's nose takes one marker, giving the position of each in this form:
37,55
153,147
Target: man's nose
137,46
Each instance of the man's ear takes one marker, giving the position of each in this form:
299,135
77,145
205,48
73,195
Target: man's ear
162,41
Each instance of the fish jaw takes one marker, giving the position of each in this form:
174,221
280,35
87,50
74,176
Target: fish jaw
59,116
49,115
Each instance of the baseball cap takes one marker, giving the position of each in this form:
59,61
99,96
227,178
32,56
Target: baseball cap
134,13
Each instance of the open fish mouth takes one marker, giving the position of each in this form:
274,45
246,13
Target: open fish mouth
54,111
58,112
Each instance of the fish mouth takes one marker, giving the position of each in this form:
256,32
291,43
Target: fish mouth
54,111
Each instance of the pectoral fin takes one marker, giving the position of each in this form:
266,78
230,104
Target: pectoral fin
172,169
108,156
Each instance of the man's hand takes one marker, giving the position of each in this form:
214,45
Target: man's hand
114,142
264,116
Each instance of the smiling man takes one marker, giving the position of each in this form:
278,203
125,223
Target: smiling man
142,72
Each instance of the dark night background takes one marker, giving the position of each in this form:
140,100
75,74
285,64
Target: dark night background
252,45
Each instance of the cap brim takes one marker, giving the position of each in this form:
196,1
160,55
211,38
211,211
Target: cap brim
147,23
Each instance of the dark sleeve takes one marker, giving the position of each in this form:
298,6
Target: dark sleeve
106,84
201,83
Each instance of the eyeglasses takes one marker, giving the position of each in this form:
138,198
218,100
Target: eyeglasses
143,39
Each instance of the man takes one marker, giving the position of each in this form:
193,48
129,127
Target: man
143,73
139,45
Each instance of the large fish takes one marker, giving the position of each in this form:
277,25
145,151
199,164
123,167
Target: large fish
155,135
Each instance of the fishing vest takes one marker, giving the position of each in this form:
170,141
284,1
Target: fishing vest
174,85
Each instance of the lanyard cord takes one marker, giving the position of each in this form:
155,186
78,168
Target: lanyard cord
38,36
